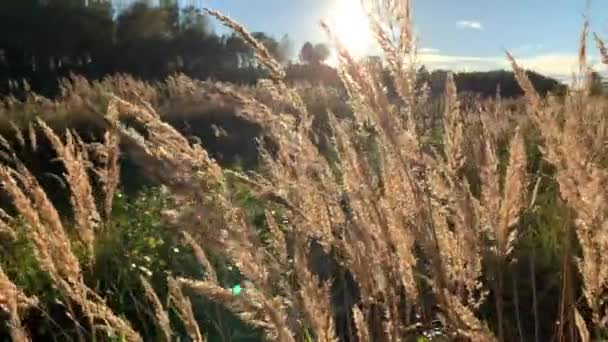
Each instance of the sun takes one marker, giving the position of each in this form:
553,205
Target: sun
350,24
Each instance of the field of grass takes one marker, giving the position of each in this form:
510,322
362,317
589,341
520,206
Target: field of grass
194,210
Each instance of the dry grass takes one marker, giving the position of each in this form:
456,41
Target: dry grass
422,233
160,315
184,310
13,301
53,248
575,136
276,71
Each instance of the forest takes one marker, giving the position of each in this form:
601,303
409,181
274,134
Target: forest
43,42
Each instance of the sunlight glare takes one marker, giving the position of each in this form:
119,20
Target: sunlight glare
351,26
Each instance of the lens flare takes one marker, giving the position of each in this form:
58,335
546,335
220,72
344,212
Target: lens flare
350,24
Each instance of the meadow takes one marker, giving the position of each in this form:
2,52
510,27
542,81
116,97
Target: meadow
188,210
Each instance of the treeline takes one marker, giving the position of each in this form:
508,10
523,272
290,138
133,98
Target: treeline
488,84
485,84
43,42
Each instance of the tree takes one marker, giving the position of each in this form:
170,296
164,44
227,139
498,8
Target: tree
486,83
142,22
596,83
168,3
244,56
192,19
285,49
236,50
199,52
271,44
145,37
307,53
314,54
43,41
321,52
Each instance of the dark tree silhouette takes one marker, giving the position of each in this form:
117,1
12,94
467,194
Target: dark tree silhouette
321,52
44,41
314,54
307,53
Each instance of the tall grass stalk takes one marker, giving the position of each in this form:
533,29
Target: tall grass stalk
420,228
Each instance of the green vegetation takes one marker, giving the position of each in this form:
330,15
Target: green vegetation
395,206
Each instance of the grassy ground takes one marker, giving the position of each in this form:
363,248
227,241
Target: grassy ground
305,213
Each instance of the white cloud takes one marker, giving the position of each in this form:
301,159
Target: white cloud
470,24
459,63
550,64
527,48
428,50
558,65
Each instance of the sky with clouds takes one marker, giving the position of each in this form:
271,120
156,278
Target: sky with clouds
458,35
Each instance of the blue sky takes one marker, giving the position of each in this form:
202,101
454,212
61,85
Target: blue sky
460,35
